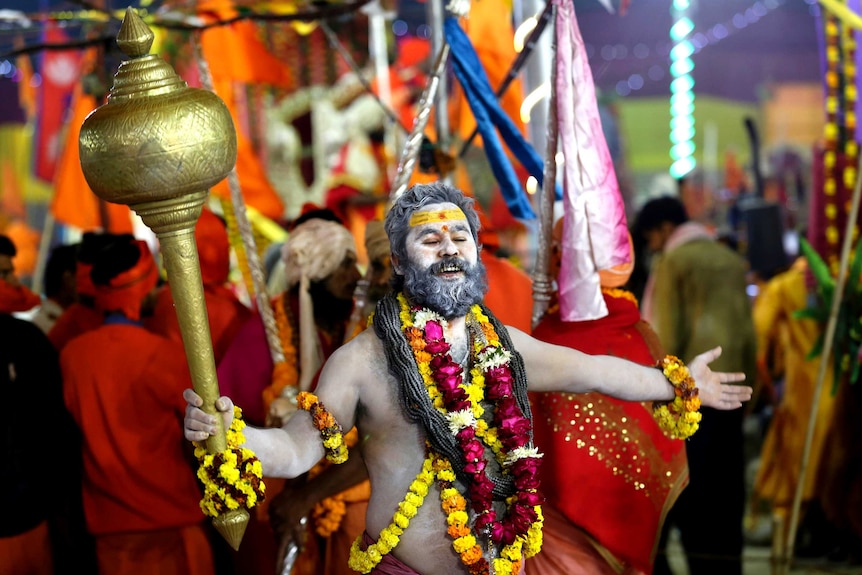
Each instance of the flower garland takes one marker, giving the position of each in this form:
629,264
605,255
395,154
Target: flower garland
364,561
232,478
284,373
508,437
330,430
329,512
679,418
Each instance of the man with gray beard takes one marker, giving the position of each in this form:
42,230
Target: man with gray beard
438,391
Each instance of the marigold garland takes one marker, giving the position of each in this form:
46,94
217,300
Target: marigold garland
519,530
284,373
330,430
365,560
680,418
232,478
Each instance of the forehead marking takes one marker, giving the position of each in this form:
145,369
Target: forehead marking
422,218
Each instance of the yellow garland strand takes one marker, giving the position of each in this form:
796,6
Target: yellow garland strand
679,418
364,561
232,478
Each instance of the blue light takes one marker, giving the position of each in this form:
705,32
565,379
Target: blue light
681,29
682,67
682,166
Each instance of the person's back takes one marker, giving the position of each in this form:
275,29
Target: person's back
141,496
696,296
700,301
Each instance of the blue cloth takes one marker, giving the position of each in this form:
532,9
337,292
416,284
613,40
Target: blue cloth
490,117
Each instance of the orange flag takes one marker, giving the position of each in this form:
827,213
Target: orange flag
74,202
489,28
235,54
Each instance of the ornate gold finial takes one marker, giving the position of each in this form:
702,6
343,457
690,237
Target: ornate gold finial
158,146
135,38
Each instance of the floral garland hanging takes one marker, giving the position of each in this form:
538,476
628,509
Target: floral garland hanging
232,478
507,437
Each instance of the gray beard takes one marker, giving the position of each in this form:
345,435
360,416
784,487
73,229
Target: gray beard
450,299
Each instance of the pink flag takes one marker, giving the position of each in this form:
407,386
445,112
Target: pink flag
595,234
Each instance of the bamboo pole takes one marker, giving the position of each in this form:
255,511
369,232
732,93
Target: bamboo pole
828,340
542,282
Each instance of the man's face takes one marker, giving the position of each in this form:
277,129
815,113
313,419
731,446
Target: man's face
7,271
443,271
342,282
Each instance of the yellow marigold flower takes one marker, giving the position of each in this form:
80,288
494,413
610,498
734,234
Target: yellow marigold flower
462,544
457,517
400,520
502,567
305,400
446,475
407,509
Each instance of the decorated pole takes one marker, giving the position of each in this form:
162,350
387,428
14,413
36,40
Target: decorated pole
158,146
410,152
542,281
828,340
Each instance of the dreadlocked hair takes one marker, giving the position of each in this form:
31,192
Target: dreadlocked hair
416,402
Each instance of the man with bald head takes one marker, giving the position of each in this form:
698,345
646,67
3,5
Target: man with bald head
438,392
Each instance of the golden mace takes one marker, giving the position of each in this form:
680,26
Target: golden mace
158,146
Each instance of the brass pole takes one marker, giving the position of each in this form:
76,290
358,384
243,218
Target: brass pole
158,146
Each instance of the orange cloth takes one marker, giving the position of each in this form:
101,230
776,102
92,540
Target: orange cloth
75,320
26,241
180,551
74,203
123,386
234,54
510,292
600,448
17,298
126,290
27,554
489,28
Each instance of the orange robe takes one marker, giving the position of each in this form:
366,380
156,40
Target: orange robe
510,292
225,312
123,386
608,468
75,320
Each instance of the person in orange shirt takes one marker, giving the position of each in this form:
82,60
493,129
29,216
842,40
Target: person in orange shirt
82,316
121,384
225,312
510,289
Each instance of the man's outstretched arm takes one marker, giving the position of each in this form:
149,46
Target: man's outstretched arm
557,368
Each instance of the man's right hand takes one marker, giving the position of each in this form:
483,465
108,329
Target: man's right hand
199,425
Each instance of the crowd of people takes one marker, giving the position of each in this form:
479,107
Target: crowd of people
470,431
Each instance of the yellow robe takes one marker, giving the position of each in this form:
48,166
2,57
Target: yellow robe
783,343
